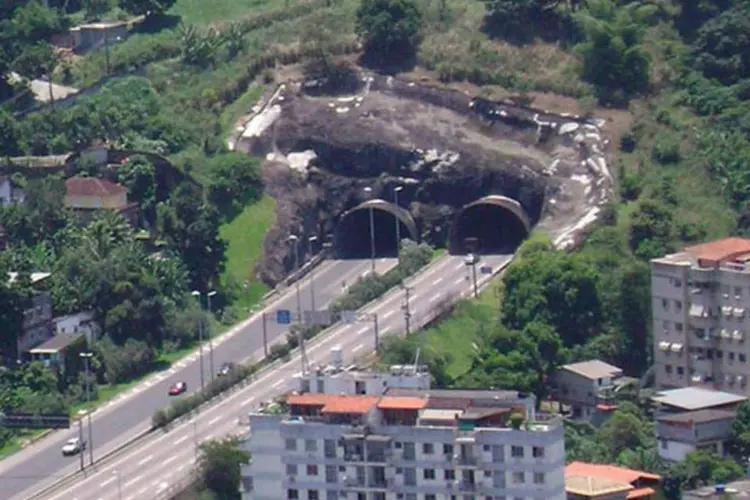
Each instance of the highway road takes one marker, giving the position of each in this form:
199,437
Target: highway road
119,421
152,468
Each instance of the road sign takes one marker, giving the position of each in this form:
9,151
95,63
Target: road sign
485,269
283,317
321,318
29,421
349,317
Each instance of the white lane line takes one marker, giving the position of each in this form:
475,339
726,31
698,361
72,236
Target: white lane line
435,297
142,492
460,280
389,314
145,460
170,459
134,480
248,401
214,420
183,438
437,281
277,383
362,330
130,498
105,483
359,346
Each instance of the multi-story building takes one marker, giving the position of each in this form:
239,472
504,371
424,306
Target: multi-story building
588,388
699,302
410,443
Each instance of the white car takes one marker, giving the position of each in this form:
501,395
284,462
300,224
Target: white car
73,446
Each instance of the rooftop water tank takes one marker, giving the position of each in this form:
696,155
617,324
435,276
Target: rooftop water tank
337,358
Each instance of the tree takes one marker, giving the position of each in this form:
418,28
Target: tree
139,176
9,135
635,316
722,48
235,180
389,28
146,8
739,443
652,229
698,469
219,466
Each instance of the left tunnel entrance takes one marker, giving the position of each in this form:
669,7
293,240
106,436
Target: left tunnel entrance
352,235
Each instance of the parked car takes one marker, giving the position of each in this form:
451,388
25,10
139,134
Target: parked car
73,446
225,369
178,388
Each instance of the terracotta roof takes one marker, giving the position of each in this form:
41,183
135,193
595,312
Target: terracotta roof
641,493
92,186
405,403
307,399
612,472
594,486
350,404
720,249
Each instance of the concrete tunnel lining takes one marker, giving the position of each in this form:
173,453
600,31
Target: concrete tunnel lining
381,208
464,216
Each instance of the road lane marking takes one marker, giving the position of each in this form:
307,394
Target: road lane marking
437,281
181,468
435,297
248,401
277,383
134,480
142,492
183,438
359,346
145,460
389,314
169,460
105,483
214,420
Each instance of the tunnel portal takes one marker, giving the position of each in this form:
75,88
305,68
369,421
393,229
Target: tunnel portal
352,236
491,225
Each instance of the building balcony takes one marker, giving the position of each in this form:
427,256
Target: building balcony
468,486
465,460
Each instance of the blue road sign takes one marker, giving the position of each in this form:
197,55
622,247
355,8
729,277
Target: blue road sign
283,317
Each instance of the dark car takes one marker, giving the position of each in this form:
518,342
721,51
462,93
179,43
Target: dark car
177,389
225,369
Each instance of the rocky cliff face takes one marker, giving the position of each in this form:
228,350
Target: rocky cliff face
444,148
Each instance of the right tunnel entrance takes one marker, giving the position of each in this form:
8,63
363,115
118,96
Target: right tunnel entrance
491,225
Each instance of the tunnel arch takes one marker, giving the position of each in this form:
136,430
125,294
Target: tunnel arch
352,234
497,222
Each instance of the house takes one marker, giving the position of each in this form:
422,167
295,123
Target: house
681,433
695,398
37,318
94,35
587,387
86,195
54,351
735,489
10,193
585,481
72,324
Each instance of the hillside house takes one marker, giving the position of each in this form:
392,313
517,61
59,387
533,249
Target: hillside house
87,195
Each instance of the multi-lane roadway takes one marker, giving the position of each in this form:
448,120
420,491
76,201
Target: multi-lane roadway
117,422
161,462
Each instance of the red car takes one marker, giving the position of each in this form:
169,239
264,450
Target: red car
177,389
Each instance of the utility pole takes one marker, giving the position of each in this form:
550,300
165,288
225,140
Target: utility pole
80,439
300,330
87,359
407,312
368,190
265,335
208,332
397,190
312,272
196,293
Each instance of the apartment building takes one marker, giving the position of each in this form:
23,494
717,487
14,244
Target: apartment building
410,443
699,302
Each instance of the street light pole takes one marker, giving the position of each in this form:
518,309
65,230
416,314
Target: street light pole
208,332
312,272
397,190
300,333
196,293
368,190
119,484
87,359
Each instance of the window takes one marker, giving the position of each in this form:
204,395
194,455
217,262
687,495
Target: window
665,325
730,355
678,305
311,445
663,443
332,495
312,494
291,469
488,473
738,291
429,473
539,478
668,368
741,357
665,304
291,445
449,474
292,494
516,451
428,448
519,477
312,470
677,282
678,327
680,370
447,449
537,452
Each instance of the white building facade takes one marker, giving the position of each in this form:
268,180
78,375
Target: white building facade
406,444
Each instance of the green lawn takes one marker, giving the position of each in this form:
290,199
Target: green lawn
245,235
202,12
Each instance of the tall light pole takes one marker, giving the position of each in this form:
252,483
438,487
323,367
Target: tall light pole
119,484
397,190
293,238
310,241
368,190
208,332
87,359
197,294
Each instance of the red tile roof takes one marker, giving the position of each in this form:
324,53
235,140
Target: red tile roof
720,250
334,403
403,403
641,493
612,472
307,399
92,186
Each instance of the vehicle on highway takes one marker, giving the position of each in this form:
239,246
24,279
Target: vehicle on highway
73,446
225,369
178,388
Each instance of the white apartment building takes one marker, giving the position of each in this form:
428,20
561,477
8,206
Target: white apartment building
700,324
399,439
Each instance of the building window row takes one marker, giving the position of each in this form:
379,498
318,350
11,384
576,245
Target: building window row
295,494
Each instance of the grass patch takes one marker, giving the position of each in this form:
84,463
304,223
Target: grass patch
244,235
202,12
242,106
